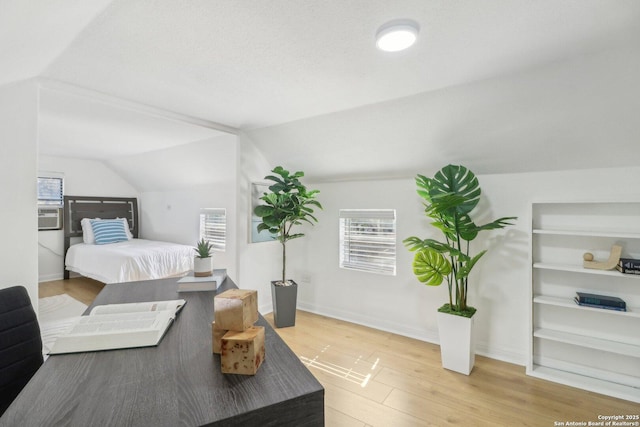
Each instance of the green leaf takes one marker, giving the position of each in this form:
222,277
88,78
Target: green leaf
498,223
430,267
468,266
278,187
413,243
459,181
271,221
466,228
262,226
263,210
270,198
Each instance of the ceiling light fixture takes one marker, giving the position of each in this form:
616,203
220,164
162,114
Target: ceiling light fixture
397,35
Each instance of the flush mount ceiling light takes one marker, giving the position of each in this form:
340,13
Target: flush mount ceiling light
397,35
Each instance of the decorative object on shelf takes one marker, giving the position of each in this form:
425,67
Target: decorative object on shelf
203,262
287,203
610,264
450,197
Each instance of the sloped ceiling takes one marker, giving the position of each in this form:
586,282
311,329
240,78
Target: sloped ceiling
34,33
78,125
264,65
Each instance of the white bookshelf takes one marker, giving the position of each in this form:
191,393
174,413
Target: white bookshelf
590,348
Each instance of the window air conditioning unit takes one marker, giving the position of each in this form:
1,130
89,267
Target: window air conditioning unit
49,218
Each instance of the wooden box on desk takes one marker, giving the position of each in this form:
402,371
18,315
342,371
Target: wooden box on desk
216,336
236,309
242,352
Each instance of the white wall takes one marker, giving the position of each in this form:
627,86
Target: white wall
259,263
81,178
176,183
400,304
18,165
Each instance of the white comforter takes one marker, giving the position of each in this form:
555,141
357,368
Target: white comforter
135,259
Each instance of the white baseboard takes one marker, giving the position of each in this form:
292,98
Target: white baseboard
50,277
371,322
265,309
504,355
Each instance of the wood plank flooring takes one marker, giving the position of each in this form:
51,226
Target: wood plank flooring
83,289
374,378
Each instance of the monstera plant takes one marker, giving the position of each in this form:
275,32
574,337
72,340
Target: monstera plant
450,196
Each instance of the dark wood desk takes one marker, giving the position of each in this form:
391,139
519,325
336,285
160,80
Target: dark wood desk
176,383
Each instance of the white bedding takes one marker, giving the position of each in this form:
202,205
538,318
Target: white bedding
135,259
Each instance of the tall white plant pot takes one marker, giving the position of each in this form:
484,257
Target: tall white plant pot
457,342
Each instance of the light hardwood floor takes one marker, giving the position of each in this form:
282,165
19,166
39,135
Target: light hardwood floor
375,378
83,289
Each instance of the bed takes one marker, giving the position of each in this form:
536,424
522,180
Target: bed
127,260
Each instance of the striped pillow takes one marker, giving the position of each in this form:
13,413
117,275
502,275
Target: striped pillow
108,231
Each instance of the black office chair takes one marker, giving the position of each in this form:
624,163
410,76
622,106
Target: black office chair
20,343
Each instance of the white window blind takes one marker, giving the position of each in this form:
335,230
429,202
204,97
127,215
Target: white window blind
368,240
50,191
213,227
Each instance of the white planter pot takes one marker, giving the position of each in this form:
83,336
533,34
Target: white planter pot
202,267
457,342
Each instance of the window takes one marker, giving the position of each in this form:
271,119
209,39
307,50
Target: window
213,227
50,191
368,240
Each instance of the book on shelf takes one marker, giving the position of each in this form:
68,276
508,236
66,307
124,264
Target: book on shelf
114,326
626,270
606,307
191,283
629,263
600,300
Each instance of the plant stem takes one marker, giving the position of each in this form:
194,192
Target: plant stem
284,261
283,240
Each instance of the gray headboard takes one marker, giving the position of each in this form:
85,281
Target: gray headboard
78,207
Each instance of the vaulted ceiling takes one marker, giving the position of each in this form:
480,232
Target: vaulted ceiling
260,65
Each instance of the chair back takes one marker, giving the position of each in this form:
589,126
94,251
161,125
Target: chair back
20,343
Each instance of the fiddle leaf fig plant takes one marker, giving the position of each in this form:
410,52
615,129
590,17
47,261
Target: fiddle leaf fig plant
450,196
287,203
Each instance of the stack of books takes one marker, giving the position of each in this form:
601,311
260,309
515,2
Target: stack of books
600,301
628,266
192,283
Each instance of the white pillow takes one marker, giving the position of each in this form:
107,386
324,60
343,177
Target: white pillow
126,228
87,231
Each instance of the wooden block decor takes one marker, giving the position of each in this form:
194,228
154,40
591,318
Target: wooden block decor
236,309
217,335
242,352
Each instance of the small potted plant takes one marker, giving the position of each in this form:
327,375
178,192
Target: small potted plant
287,203
450,197
203,262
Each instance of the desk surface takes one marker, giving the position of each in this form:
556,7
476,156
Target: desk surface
179,382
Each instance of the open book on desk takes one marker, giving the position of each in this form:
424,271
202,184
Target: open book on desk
115,326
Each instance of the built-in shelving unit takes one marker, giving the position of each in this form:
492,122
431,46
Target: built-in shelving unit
591,348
